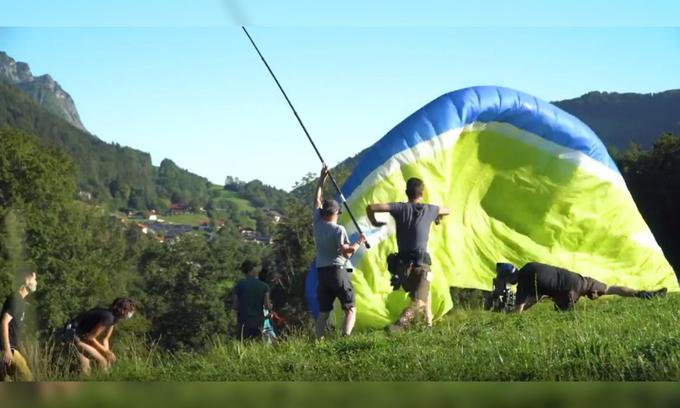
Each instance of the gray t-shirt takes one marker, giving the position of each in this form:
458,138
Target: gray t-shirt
329,239
413,224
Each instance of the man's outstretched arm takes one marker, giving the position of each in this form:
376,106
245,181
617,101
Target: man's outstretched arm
371,209
443,211
318,196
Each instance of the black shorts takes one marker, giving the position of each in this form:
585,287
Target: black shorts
334,282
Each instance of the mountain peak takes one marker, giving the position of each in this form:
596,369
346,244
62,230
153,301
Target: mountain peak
43,89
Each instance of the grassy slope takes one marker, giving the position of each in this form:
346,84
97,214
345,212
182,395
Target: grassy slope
220,194
617,339
188,219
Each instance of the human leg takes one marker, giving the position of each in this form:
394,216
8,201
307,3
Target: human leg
90,352
350,319
325,295
621,291
20,367
321,323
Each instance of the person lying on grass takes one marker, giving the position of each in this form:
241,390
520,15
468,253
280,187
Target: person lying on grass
90,332
537,280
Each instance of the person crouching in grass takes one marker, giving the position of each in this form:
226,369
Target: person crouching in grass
91,331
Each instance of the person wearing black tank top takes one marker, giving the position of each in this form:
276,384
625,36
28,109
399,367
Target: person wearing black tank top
91,331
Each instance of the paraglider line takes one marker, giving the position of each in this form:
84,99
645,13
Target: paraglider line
335,184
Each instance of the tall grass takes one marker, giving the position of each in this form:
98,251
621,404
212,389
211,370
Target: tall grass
617,339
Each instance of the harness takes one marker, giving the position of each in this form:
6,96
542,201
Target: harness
400,264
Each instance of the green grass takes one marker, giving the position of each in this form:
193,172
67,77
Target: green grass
617,339
220,195
188,219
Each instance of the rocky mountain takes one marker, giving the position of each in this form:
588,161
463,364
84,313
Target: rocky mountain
42,89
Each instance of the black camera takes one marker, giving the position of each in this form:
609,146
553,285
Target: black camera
502,297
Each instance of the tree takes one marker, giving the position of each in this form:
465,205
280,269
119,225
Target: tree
80,253
183,299
292,254
653,179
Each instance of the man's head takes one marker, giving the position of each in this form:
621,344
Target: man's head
329,210
415,188
123,308
249,267
507,272
28,279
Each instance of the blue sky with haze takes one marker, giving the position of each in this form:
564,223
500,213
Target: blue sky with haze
180,80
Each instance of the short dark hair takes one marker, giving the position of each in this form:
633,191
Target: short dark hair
247,266
329,207
414,188
122,306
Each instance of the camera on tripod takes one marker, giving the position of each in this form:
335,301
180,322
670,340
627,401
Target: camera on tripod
502,297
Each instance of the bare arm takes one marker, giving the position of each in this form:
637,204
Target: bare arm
107,335
349,249
520,307
91,339
443,211
371,209
7,357
318,196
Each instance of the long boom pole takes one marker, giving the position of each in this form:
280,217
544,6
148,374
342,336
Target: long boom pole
323,162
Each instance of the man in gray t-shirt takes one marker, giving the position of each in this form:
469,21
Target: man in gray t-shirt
333,251
410,266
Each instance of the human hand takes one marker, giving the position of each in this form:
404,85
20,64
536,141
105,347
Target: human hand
110,357
8,357
324,171
362,238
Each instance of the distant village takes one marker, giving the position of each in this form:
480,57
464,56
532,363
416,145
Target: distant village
152,223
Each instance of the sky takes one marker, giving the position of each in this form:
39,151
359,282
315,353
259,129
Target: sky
179,79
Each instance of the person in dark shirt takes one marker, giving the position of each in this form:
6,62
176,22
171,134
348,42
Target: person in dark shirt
251,297
13,364
411,265
538,280
91,331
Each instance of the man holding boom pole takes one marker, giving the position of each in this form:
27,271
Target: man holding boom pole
333,251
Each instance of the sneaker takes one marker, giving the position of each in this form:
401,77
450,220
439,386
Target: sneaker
661,292
649,294
394,329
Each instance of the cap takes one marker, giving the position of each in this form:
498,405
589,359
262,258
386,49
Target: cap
330,207
505,269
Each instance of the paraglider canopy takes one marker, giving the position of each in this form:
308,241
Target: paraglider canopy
525,182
